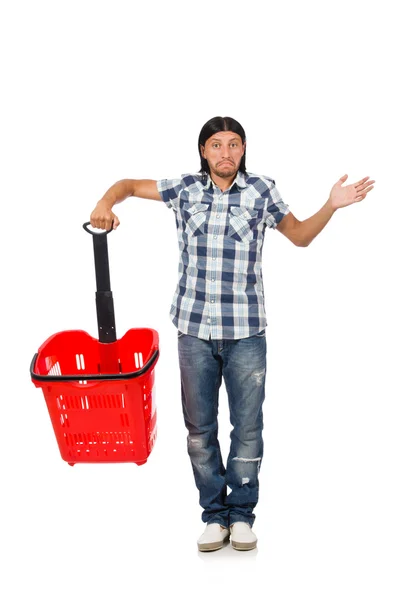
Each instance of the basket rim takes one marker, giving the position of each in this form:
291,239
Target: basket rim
92,377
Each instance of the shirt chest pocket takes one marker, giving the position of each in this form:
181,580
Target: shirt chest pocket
241,222
195,217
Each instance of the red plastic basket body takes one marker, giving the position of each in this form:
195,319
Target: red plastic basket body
107,412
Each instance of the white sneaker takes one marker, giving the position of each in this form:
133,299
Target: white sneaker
242,537
213,537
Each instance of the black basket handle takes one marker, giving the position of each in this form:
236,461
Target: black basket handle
85,226
104,296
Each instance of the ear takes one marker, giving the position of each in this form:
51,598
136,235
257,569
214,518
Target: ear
202,150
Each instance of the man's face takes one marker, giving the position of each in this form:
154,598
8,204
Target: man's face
223,152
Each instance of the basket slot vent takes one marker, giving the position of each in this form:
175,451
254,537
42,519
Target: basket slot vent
138,360
124,420
78,438
107,438
80,362
96,402
72,402
91,401
84,403
55,369
64,420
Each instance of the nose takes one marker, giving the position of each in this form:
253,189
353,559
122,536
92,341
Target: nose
226,154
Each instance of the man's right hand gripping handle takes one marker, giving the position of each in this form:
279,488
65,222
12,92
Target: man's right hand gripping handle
102,217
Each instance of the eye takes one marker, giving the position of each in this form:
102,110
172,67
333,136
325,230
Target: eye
215,144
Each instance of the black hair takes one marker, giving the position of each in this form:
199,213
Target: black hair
214,126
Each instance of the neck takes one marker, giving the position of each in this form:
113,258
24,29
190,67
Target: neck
223,182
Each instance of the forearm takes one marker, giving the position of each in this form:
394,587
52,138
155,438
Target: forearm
117,193
311,227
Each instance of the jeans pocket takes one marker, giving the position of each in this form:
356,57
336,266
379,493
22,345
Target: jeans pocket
261,334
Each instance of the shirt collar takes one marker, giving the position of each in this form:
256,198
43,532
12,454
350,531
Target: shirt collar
239,180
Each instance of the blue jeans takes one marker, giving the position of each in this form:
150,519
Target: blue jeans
242,363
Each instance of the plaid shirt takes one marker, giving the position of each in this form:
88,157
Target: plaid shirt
220,235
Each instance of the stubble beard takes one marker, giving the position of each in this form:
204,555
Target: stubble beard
226,173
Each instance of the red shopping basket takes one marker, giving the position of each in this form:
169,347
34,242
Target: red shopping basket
100,394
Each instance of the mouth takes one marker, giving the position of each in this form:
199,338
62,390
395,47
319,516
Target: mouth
226,162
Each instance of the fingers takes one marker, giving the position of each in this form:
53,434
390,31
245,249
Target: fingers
365,186
362,181
104,219
362,194
100,223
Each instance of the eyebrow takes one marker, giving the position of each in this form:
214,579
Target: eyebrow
231,139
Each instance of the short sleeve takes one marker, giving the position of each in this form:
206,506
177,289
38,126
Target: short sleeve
169,190
275,207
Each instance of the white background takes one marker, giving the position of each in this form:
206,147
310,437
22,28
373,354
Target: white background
93,92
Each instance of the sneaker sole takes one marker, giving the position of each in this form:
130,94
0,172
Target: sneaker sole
210,546
243,545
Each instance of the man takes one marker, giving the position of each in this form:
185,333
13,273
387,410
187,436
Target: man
221,215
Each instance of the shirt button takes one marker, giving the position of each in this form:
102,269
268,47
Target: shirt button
217,216
215,236
214,258
212,279
212,300
208,320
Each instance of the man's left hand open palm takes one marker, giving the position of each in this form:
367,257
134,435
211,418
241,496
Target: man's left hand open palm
344,196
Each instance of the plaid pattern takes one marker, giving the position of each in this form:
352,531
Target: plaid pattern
220,235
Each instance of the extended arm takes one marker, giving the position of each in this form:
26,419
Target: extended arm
102,215
302,233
